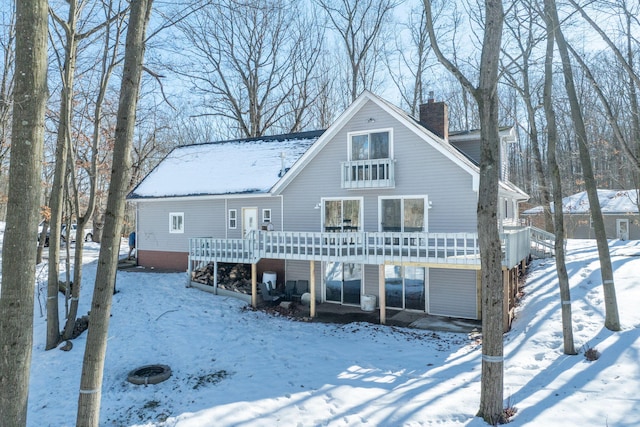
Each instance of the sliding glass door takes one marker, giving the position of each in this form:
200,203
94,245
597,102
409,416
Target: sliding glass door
342,215
404,214
343,282
405,287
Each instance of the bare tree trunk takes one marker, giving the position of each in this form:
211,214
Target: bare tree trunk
552,136
491,391
42,237
612,321
56,202
109,61
18,252
94,356
524,28
486,96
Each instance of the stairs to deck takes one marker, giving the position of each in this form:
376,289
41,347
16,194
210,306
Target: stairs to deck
542,243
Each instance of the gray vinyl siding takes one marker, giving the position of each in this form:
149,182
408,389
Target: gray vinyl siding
300,270
202,218
370,279
260,203
578,226
420,170
453,293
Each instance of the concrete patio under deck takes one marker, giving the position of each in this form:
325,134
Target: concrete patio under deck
336,313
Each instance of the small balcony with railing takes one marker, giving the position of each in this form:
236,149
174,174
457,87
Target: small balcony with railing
372,173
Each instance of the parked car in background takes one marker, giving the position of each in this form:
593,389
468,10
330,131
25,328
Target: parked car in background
73,231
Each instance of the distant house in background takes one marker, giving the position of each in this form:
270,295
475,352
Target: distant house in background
380,207
619,209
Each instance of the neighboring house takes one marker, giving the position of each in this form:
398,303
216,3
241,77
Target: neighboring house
379,205
619,211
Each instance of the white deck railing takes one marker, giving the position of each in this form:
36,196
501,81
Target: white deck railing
516,246
543,243
357,247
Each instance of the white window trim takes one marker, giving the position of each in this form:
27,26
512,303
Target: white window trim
360,214
402,198
173,215
266,215
350,136
233,218
425,282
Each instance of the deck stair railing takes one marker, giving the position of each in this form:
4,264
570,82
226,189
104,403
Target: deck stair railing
542,243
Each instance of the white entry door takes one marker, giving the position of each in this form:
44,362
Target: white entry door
249,220
622,229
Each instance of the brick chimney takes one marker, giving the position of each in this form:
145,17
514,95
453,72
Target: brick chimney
435,117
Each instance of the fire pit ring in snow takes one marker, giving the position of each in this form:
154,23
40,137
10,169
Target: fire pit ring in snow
149,374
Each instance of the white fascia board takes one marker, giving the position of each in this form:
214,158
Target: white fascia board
443,147
509,135
432,139
300,164
515,192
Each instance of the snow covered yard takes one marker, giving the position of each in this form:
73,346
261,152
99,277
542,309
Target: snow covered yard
236,367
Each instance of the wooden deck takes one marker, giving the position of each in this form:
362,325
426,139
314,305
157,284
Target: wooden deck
441,249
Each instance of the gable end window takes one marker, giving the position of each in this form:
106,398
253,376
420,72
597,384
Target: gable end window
370,146
233,219
176,222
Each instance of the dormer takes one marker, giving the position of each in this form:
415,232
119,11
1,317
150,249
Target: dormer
468,143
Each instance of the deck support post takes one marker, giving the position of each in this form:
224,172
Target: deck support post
382,295
505,299
215,277
254,285
312,288
189,272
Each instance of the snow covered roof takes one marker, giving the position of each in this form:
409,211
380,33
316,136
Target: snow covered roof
230,167
611,202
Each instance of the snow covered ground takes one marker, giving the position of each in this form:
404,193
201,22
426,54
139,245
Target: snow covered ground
236,367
